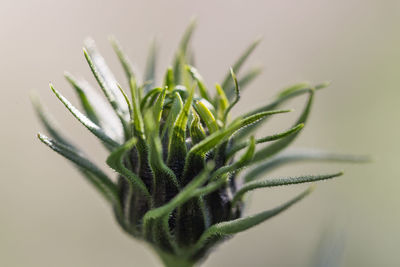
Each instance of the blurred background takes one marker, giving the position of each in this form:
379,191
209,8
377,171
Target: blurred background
51,217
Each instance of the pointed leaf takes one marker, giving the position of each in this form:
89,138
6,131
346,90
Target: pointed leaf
221,176
158,108
127,101
276,103
197,132
200,82
248,77
176,108
85,102
105,79
223,134
150,73
48,123
227,83
221,101
301,155
95,129
239,225
269,138
97,177
280,182
181,54
241,163
165,182
123,58
237,96
207,117
149,95
116,161
184,195
177,142
106,117
283,143
137,115
169,79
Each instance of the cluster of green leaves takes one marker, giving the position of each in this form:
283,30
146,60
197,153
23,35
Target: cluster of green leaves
176,149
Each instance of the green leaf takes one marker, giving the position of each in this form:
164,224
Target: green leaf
197,132
239,225
221,101
301,155
85,102
237,96
195,157
149,95
181,54
95,129
177,142
276,103
184,195
106,80
128,102
123,58
227,83
97,177
248,77
269,138
173,113
116,161
48,122
241,163
279,182
137,115
293,89
223,134
221,176
169,79
200,82
158,108
207,117
166,184
150,73
283,143
106,117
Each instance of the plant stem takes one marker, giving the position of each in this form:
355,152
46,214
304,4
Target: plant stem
170,260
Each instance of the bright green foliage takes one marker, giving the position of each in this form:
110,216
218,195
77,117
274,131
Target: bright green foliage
183,166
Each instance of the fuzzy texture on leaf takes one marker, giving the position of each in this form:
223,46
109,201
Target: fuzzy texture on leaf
182,165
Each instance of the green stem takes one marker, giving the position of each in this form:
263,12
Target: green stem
170,260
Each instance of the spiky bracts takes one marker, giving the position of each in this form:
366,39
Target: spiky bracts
177,153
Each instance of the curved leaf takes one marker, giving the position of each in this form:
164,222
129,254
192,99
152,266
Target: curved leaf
151,62
97,177
105,79
283,143
197,133
279,182
123,58
200,82
181,55
301,155
116,161
85,102
177,142
184,195
237,96
227,83
95,129
269,138
239,225
207,117
176,108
